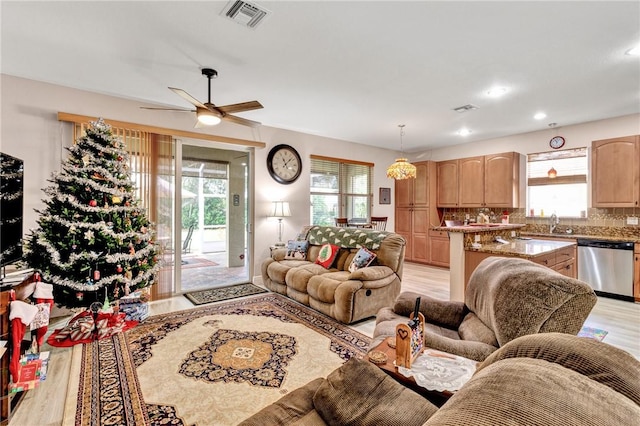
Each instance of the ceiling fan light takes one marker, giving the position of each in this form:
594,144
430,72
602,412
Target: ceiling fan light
207,117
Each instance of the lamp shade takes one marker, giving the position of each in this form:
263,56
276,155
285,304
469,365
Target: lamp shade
280,209
552,173
401,169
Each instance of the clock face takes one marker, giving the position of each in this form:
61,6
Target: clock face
556,142
284,164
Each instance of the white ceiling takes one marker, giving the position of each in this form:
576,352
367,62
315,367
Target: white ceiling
347,70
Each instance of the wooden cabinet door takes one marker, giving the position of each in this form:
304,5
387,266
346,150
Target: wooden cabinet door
447,177
403,227
615,171
421,185
471,182
501,180
404,193
439,250
420,235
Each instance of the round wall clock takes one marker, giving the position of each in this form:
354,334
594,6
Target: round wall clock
556,142
284,164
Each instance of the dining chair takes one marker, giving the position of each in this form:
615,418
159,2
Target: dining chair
342,222
379,222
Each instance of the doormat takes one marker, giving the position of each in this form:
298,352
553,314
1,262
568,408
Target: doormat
223,293
593,333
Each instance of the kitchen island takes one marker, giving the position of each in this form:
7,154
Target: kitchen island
470,244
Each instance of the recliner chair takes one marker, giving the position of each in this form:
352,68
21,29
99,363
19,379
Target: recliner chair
505,298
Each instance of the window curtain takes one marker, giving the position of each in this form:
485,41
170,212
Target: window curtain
152,165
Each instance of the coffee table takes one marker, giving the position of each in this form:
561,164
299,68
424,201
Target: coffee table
435,397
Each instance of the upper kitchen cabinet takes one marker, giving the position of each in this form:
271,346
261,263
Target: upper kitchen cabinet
484,181
502,179
414,192
471,187
615,172
447,177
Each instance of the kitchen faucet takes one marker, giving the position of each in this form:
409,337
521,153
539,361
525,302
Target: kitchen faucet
553,223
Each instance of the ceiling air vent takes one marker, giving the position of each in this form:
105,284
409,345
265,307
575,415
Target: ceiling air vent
245,13
465,108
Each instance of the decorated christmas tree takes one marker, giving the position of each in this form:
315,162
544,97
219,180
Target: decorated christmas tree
93,241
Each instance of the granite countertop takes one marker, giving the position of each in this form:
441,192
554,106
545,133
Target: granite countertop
481,227
575,236
522,248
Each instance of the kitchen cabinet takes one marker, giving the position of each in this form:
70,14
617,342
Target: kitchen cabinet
439,248
447,177
615,171
483,181
636,272
412,211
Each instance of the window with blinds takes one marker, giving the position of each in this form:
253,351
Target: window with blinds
340,188
557,183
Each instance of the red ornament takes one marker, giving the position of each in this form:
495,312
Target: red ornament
119,268
93,203
80,295
96,275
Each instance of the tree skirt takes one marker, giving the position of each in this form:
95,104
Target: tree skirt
219,364
223,293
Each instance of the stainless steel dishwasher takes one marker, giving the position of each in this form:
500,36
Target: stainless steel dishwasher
607,266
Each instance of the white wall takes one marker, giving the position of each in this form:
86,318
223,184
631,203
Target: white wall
576,136
31,131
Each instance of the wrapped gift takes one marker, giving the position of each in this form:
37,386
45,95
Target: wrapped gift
138,311
32,370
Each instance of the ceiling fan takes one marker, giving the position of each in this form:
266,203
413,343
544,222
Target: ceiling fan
209,114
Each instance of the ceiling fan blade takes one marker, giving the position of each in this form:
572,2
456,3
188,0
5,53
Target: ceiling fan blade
169,109
243,106
240,120
187,97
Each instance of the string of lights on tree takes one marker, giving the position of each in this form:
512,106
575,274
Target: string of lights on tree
93,240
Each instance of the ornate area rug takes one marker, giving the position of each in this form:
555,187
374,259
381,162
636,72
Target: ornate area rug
223,293
216,364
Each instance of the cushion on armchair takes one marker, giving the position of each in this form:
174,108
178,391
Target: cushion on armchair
596,360
515,297
359,393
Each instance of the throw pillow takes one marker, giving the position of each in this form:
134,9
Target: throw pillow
362,259
297,250
327,255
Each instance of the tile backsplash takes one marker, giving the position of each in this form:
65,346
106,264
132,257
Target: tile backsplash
599,221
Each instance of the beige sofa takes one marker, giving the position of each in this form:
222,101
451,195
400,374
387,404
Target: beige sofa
549,379
505,298
337,292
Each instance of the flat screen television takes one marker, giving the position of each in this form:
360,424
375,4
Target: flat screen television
11,208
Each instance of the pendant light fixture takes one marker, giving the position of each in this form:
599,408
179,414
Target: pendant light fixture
552,173
401,169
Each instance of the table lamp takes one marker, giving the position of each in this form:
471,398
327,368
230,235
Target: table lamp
280,210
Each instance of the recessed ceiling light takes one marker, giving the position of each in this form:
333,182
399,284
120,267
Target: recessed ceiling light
464,132
540,115
634,51
496,92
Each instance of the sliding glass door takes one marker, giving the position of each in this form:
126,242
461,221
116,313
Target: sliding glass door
212,217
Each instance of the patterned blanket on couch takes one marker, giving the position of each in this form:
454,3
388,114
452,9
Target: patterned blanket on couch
346,237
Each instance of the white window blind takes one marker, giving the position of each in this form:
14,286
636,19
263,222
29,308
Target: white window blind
340,188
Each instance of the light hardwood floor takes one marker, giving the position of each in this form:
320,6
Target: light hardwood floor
44,406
